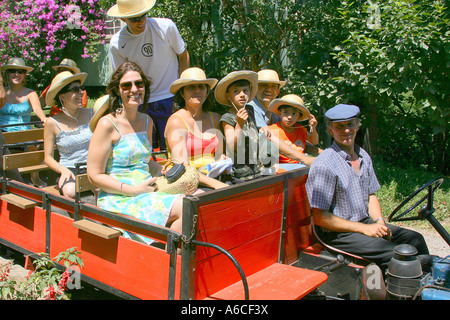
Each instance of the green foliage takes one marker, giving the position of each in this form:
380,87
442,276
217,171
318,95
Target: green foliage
398,183
45,283
391,58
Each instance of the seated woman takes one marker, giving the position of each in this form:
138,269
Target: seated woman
192,132
20,102
120,154
68,130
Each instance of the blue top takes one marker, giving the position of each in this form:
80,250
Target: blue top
334,186
73,145
13,113
263,117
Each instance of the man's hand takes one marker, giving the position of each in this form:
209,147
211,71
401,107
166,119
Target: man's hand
376,230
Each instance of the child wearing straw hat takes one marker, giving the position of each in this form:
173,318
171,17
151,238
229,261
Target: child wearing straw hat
238,124
156,45
290,109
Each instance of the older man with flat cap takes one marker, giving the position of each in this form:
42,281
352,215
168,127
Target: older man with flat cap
341,190
156,45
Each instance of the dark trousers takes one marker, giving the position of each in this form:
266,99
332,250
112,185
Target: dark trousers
378,250
159,111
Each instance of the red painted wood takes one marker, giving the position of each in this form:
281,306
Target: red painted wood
276,282
24,228
298,220
127,265
217,272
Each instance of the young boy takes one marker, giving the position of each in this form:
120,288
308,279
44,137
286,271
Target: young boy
290,108
238,125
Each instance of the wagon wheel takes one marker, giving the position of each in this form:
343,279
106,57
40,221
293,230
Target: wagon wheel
426,212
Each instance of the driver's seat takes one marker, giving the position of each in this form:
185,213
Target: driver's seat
355,258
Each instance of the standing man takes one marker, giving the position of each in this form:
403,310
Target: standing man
341,190
156,45
269,85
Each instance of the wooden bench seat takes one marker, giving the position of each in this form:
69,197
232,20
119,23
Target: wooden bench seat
25,162
276,282
19,201
13,137
97,229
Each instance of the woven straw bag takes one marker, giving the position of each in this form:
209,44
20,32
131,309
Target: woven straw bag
187,183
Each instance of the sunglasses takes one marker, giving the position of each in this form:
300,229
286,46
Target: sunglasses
18,71
137,19
75,89
126,86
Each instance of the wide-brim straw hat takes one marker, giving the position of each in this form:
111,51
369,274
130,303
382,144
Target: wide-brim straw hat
101,105
192,76
16,64
221,89
292,100
130,8
61,80
68,64
270,76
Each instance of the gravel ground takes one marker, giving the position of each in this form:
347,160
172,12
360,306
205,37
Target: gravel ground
436,244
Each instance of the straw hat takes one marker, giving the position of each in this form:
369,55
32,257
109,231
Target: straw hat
190,76
221,89
130,8
292,100
101,105
270,76
17,64
60,81
68,64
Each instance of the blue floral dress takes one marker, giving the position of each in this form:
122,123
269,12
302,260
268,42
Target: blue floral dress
128,163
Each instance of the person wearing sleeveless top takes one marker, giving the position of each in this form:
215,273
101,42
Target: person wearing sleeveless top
68,130
119,157
19,102
192,133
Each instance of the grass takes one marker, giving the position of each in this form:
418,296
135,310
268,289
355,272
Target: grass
398,183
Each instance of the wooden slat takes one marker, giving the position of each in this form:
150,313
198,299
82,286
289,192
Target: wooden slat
276,282
23,159
82,183
39,167
97,229
52,189
23,136
19,201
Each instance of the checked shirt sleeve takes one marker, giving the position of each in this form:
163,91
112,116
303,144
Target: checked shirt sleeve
320,187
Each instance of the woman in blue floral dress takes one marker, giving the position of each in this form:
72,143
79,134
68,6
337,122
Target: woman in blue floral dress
119,157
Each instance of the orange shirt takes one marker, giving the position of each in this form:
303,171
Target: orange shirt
295,139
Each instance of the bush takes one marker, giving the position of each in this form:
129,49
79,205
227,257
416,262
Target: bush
45,283
43,32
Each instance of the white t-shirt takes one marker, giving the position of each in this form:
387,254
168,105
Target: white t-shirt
155,51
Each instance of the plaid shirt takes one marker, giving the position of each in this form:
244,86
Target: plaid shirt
335,187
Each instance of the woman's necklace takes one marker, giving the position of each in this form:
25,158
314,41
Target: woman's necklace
67,113
120,110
